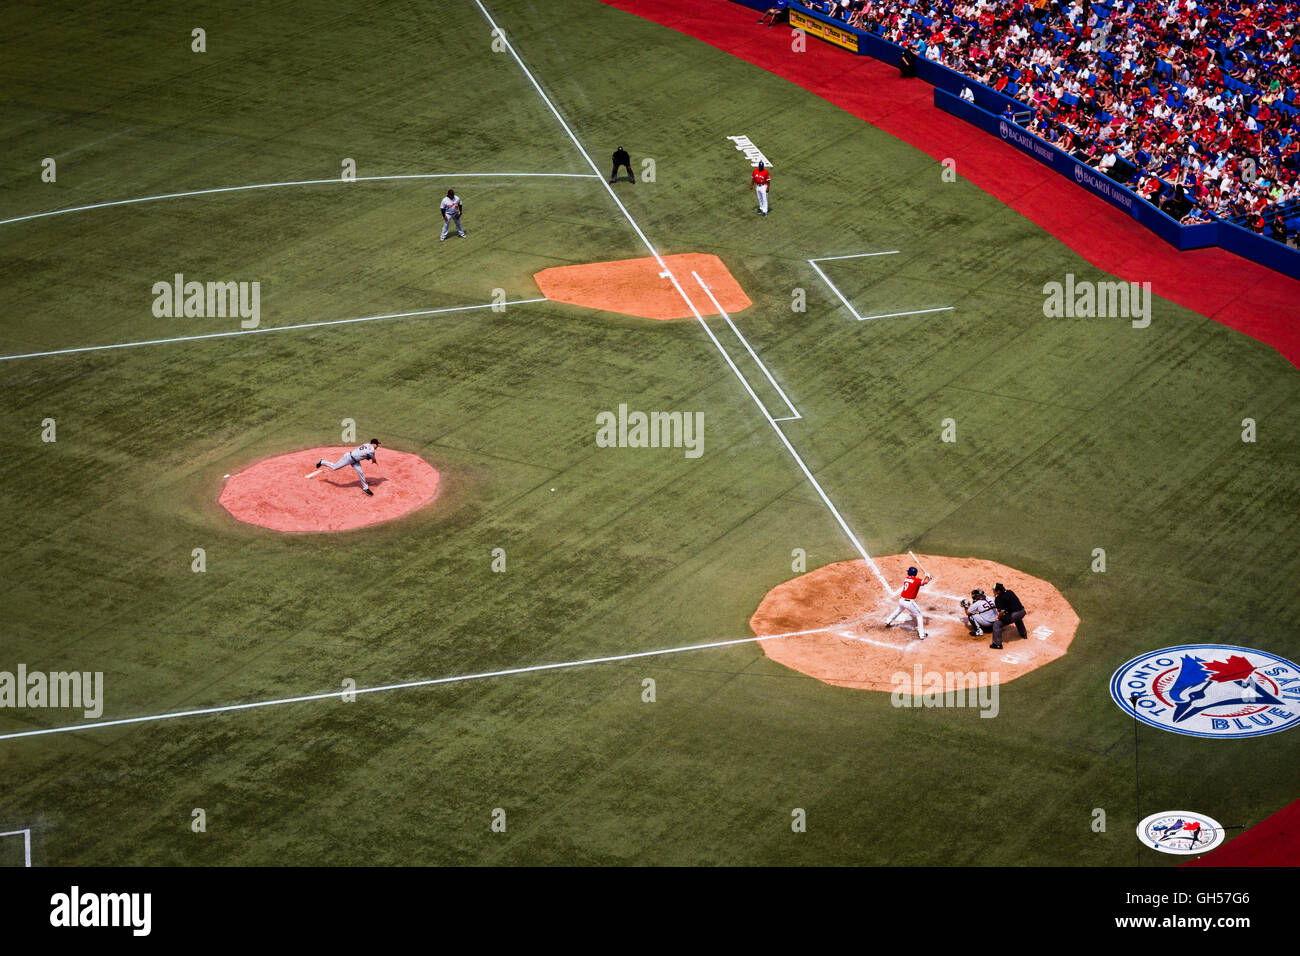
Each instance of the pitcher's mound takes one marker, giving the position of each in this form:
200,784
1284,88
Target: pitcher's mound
633,286
853,648
276,493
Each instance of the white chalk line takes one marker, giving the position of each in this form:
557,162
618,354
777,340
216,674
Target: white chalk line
275,328
794,412
667,273
27,843
856,255
337,181
849,305
890,315
407,685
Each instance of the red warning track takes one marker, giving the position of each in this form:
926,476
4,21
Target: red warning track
275,492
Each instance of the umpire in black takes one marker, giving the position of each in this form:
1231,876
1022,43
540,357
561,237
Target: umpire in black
622,161
1010,610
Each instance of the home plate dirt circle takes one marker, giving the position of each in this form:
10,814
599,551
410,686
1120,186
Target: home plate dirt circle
275,492
847,607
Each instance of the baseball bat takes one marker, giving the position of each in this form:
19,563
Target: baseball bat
314,473
917,562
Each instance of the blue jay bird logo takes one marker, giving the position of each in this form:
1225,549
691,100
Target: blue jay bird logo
1200,685
1210,690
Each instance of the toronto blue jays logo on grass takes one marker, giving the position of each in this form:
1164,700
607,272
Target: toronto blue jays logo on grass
1210,690
1180,831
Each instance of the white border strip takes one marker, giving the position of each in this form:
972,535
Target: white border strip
276,328
27,843
337,181
848,305
535,668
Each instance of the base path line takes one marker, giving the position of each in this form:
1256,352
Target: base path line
668,273
337,181
745,342
407,685
276,328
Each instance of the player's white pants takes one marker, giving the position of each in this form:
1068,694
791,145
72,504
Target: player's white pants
446,224
344,462
762,198
909,606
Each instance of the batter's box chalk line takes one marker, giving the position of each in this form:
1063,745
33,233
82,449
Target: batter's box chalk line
849,305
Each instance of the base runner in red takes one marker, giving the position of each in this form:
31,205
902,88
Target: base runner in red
277,493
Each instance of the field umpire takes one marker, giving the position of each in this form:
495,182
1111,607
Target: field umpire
1010,610
622,161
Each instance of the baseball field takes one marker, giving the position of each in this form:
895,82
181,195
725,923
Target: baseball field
551,660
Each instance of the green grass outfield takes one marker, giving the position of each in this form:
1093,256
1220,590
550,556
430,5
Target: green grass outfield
1073,434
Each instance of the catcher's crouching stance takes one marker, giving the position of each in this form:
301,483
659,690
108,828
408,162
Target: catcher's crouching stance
354,458
985,615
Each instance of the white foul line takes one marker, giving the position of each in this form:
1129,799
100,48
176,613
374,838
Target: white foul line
337,181
848,305
856,255
329,695
890,315
27,843
743,341
668,274
276,328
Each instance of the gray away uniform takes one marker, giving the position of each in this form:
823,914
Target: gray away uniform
983,616
354,458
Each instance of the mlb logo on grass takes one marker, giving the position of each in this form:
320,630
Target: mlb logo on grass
1210,690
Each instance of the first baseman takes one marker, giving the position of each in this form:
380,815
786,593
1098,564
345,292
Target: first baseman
354,458
451,209
907,596
759,183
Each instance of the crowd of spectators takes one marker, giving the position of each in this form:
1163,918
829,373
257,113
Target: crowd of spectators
1193,105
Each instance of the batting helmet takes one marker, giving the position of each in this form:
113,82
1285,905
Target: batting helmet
911,572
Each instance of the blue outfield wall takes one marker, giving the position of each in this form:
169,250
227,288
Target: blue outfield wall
986,113
1226,235
1164,226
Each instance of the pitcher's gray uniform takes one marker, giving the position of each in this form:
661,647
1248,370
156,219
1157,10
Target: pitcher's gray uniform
354,458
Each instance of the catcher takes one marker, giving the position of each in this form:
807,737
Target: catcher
981,614
451,210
